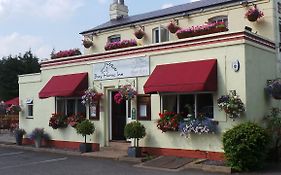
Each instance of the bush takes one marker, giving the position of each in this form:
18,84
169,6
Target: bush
85,128
245,146
134,130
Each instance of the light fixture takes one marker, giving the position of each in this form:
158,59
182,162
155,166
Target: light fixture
244,3
248,28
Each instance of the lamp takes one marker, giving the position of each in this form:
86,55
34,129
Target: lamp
248,28
244,3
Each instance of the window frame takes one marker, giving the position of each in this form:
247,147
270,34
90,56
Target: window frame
178,101
30,109
141,100
112,37
160,39
220,18
65,104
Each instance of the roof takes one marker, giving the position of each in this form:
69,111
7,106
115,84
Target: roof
176,10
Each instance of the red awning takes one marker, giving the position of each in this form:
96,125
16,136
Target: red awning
70,85
192,76
14,101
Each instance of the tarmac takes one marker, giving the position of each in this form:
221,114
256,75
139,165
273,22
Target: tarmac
158,163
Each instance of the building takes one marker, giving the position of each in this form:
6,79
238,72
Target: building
168,73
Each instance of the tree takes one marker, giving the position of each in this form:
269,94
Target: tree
10,68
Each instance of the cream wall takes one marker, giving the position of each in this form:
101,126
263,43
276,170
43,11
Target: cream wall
265,26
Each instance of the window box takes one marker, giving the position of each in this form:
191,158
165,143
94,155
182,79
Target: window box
120,44
201,30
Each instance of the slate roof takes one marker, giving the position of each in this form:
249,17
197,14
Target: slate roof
176,10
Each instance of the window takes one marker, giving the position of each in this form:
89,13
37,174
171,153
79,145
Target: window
160,34
144,107
219,19
114,38
70,106
279,34
188,104
29,103
95,111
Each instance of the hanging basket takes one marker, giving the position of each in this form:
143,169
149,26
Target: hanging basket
274,88
139,34
87,43
253,14
173,28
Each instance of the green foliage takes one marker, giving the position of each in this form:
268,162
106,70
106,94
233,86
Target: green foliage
274,128
85,128
245,146
134,130
10,68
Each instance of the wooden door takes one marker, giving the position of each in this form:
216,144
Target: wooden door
118,113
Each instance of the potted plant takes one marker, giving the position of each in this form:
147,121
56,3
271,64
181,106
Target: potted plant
172,27
125,92
139,33
169,121
91,97
134,130
253,14
231,104
274,88
87,43
19,133
37,135
85,128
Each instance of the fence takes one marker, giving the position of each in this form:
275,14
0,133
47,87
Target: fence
9,121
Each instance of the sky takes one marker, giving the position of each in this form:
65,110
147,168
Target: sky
44,25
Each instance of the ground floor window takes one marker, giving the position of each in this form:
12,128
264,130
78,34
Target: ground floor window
193,104
70,106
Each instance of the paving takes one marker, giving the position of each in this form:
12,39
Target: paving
116,152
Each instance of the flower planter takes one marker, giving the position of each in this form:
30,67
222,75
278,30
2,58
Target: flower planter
188,34
87,43
134,151
85,147
253,17
19,139
253,14
139,34
37,142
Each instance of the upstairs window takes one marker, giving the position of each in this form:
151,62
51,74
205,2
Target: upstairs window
114,38
160,34
219,19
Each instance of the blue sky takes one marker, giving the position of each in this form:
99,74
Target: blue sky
41,25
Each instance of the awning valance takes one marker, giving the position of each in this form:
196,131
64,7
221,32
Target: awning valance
70,85
192,76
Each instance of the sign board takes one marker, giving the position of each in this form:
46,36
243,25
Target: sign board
133,67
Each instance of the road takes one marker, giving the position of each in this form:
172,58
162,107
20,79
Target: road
22,162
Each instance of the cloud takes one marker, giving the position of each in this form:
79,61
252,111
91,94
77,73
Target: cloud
51,9
15,43
164,6
102,1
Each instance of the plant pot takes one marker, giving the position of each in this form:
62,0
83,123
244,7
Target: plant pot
139,35
85,147
37,143
254,16
87,44
134,152
19,139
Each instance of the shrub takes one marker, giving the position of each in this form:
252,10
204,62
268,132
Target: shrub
134,130
85,128
245,146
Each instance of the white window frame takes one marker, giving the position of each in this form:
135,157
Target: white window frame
178,100
65,103
159,34
113,37
29,106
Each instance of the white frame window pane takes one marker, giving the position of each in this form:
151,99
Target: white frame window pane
170,103
30,110
60,106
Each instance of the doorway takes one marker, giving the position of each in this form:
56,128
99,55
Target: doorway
118,118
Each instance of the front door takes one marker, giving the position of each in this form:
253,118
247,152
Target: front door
118,113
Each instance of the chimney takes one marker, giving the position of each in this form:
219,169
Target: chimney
118,10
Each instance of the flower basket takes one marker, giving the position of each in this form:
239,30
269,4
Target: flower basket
201,30
120,44
87,43
199,125
91,97
73,120
169,121
125,92
274,89
139,34
65,53
253,14
58,121
172,27
231,104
